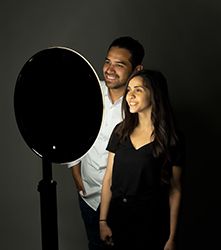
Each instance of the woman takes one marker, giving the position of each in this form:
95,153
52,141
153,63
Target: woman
141,190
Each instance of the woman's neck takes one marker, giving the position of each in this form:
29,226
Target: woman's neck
145,122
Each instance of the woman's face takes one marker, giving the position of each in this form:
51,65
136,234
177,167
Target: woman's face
138,96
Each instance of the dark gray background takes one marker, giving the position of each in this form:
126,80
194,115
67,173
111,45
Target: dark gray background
181,38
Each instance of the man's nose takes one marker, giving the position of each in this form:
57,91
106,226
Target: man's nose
110,68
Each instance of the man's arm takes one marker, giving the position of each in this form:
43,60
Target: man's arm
76,173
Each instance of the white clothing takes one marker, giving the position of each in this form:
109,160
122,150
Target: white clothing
94,162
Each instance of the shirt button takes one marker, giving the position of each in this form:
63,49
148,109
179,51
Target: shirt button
124,200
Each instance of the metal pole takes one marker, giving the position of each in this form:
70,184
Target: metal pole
48,204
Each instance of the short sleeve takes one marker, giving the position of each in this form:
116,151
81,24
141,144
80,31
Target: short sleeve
113,141
72,163
178,154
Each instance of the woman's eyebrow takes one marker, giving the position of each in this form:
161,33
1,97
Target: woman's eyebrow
137,86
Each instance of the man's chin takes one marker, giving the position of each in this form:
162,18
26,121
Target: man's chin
111,84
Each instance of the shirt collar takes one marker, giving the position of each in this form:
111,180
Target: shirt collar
106,94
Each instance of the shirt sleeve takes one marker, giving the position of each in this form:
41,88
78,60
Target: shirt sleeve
178,153
72,163
113,141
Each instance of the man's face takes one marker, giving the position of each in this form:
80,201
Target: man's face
117,67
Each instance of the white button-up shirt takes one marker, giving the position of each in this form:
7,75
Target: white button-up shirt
94,162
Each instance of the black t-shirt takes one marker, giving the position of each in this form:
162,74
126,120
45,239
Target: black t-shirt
136,172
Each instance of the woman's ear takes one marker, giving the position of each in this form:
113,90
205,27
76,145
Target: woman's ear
138,68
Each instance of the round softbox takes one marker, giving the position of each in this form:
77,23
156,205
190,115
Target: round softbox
58,104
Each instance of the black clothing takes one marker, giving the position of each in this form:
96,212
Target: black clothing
91,222
139,208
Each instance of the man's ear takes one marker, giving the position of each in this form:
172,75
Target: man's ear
138,68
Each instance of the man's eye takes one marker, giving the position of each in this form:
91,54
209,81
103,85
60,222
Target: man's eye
119,65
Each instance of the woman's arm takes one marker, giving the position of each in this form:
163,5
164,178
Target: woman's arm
174,201
105,231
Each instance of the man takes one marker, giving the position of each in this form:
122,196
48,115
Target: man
124,56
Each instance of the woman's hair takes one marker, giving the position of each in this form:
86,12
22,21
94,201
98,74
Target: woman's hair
164,133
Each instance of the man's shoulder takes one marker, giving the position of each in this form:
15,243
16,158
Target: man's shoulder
102,83
103,86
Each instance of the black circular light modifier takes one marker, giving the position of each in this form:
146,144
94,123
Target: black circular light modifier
58,104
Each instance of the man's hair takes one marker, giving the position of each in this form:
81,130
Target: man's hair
133,46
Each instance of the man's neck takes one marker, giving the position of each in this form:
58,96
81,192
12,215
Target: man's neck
115,94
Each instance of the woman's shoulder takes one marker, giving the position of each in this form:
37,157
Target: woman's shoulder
117,127
116,132
178,151
114,139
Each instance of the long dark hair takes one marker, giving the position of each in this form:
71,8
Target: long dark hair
164,133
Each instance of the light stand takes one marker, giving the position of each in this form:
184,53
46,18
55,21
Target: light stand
48,204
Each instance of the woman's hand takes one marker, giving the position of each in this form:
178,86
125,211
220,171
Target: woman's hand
170,245
106,233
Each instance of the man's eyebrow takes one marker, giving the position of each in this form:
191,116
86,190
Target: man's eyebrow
117,61
121,62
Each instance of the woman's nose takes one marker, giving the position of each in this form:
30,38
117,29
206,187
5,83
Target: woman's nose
131,94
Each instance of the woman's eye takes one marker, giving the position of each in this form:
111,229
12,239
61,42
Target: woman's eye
138,90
